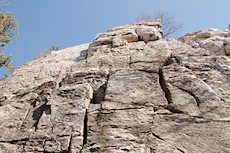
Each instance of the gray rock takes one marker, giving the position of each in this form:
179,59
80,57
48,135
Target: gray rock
134,88
119,42
148,34
121,93
213,40
227,49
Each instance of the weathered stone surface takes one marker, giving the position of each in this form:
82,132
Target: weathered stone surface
52,66
207,101
122,93
50,125
213,40
148,34
227,49
147,31
119,42
149,57
8,147
134,88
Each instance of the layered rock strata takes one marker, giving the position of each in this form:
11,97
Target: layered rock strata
127,91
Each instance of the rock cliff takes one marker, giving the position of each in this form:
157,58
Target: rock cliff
127,91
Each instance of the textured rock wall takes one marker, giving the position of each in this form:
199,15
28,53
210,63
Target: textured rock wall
215,40
127,91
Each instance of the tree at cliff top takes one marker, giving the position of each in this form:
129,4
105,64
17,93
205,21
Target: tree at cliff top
169,26
8,31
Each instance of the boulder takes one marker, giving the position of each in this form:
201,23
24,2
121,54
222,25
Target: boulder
148,34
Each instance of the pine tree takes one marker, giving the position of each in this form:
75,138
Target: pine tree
8,31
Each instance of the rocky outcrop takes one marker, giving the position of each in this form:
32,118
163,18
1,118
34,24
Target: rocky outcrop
215,40
127,91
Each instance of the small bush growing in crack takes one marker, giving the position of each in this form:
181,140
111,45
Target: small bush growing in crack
46,52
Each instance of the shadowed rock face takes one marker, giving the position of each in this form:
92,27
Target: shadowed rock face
127,91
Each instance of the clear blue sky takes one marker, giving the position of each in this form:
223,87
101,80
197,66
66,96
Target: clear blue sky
66,23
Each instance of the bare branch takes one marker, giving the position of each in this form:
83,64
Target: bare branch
143,17
4,4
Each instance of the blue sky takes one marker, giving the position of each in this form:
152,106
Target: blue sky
66,23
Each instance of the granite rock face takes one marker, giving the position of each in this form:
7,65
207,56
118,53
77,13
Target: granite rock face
127,91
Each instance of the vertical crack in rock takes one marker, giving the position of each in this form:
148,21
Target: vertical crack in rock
130,59
164,86
98,96
70,143
167,92
85,130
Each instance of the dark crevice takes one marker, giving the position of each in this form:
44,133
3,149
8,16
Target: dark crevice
38,113
158,137
174,110
49,84
134,62
169,61
15,141
94,149
167,93
148,70
86,56
180,150
130,58
39,99
126,108
85,132
83,56
99,94
126,150
139,38
173,59
70,143
164,87
178,59
21,94
16,107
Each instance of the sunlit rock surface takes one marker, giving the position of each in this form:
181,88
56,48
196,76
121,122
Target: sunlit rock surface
127,91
